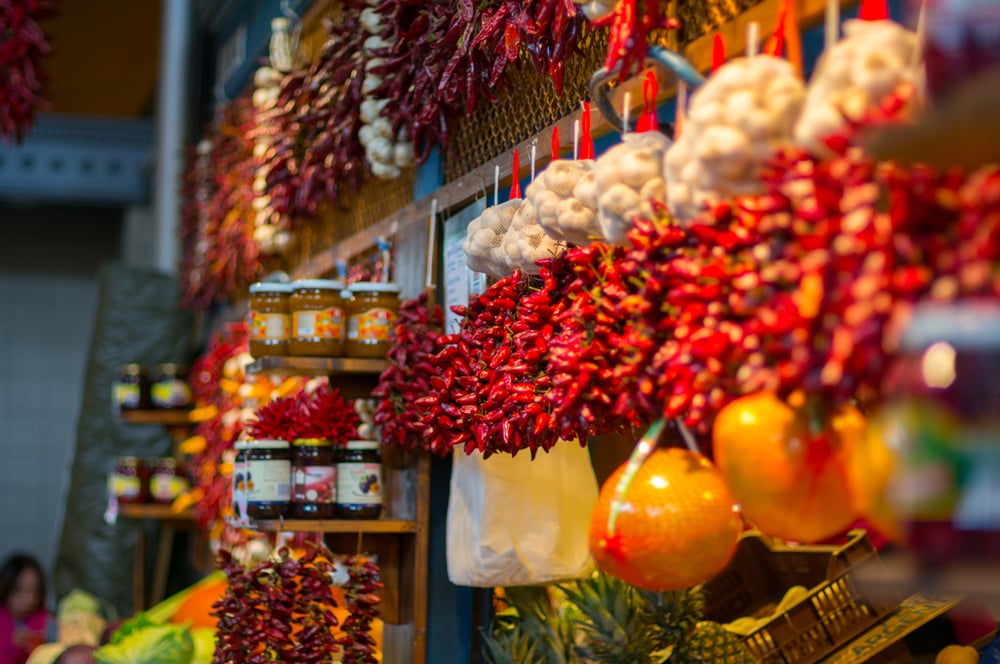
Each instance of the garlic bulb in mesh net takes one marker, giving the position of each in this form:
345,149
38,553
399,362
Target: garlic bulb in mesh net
627,178
563,216
483,244
872,61
736,121
526,242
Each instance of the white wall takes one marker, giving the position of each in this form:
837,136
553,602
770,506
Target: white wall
49,259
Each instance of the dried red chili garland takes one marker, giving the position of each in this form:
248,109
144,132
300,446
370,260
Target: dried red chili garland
409,375
221,257
278,611
362,599
221,430
631,23
447,56
321,413
316,154
23,49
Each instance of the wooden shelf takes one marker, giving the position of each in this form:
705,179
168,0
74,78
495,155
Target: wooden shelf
169,418
151,511
336,526
318,366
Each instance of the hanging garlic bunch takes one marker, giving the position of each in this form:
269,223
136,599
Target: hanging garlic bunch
271,229
386,153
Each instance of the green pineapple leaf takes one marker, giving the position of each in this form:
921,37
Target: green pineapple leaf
610,625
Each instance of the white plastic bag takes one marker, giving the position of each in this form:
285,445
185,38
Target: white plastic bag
514,521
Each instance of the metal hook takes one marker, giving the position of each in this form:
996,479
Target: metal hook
602,81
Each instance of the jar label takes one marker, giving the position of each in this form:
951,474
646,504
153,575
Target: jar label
359,484
372,325
125,395
164,486
316,485
170,394
268,327
327,324
262,481
126,487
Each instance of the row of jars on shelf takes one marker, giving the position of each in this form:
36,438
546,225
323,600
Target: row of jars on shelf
156,480
164,388
322,318
309,479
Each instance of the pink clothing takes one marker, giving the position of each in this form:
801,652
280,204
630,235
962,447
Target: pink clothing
10,652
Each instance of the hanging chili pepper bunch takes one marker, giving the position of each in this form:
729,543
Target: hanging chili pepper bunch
631,22
316,155
215,381
225,398
410,375
491,376
23,49
441,59
281,610
362,600
546,29
317,413
221,257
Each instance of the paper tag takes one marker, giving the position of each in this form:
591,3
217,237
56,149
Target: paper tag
268,327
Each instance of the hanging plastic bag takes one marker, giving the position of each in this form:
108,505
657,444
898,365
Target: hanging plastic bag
514,521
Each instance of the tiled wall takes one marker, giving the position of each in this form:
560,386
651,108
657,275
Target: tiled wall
49,259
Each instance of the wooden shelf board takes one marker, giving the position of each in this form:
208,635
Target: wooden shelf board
336,526
151,511
170,418
318,366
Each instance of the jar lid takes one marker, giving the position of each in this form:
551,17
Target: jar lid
362,444
262,445
312,442
374,287
127,461
131,369
270,287
319,284
969,324
162,462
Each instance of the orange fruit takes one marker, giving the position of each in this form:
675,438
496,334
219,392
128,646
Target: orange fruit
869,472
678,525
787,466
197,606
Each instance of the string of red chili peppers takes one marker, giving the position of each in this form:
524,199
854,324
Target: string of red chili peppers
280,610
362,599
409,375
316,153
23,49
322,413
631,24
219,431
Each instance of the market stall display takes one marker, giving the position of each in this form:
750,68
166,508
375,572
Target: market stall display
742,285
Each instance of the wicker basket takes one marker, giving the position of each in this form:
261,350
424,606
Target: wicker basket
831,614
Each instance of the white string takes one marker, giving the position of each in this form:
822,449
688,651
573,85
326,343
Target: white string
534,151
496,185
626,107
576,140
831,24
753,39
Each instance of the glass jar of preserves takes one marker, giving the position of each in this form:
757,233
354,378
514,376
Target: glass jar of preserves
169,389
269,324
314,479
317,318
942,420
166,480
359,481
262,479
371,315
125,484
131,390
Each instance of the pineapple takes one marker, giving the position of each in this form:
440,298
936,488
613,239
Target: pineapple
511,646
611,625
711,642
